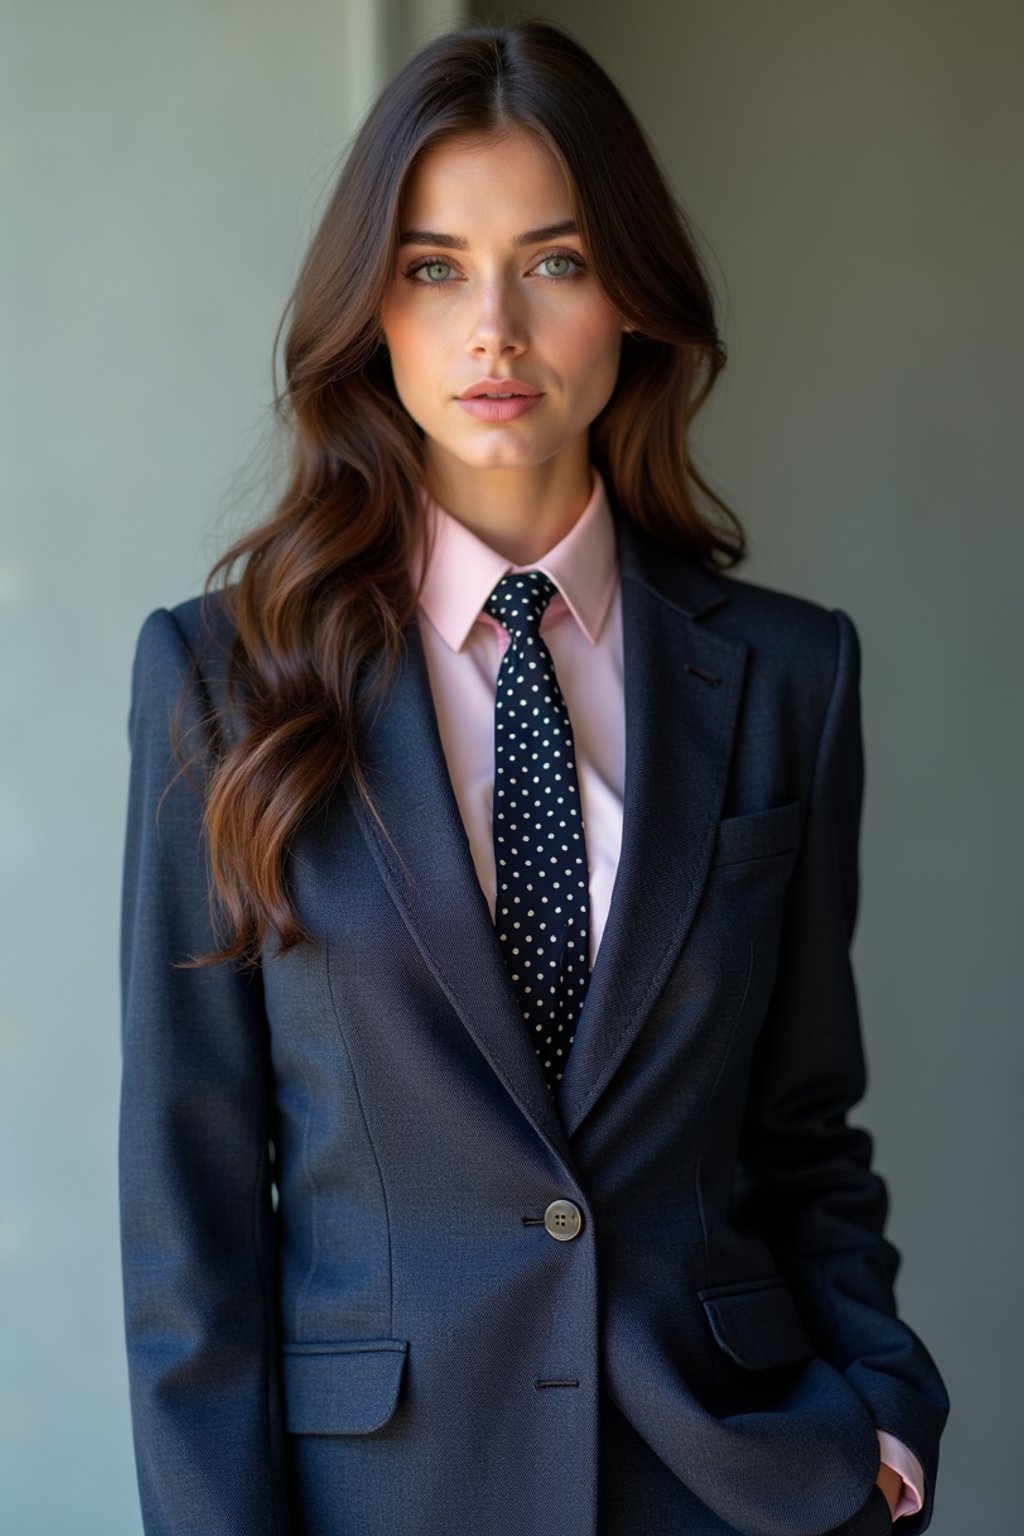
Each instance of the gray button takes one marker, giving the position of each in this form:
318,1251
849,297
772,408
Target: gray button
563,1220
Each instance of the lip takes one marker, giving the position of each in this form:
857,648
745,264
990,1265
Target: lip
498,387
499,410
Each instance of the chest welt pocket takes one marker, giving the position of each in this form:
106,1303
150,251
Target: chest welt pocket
349,1388
758,834
757,1323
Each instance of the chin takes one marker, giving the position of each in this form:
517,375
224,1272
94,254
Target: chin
500,455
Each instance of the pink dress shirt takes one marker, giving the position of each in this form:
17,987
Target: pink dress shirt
582,628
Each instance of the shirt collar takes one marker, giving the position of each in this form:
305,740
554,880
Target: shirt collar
463,570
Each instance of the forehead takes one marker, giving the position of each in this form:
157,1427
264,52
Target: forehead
452,185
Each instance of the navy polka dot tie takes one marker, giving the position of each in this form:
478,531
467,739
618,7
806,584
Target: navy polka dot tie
542,902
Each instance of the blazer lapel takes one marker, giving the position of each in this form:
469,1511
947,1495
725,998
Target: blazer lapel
438,893
679,732
682,691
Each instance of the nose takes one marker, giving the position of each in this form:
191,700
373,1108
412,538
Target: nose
498,324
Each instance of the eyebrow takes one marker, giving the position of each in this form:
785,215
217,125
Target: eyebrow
457,243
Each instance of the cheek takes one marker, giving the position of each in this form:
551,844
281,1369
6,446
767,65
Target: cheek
592,347
414,357
403,334
410,328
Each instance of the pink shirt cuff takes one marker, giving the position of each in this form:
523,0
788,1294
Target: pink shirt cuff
902,1460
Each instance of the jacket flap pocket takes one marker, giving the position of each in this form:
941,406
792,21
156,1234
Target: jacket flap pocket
758,834
758,1326
347,1388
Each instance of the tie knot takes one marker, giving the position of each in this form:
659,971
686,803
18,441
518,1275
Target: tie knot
519,600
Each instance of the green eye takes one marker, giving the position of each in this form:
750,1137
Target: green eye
547,259
431,264
428,266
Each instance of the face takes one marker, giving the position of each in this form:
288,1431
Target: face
483,287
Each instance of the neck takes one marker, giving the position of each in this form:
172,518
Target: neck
519,513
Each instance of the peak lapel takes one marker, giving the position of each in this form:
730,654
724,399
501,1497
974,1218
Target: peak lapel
679,735
439,895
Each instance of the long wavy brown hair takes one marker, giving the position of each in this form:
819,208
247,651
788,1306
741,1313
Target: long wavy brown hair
325,591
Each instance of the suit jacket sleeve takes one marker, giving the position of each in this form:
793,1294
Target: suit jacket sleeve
197,1220
806,1181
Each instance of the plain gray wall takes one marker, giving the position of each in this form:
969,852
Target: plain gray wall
855,173
160,165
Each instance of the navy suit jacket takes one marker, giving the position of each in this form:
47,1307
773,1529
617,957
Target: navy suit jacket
345,1314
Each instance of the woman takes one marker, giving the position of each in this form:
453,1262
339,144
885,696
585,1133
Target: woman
489,1026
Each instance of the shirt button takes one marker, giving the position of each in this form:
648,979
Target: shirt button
563,1220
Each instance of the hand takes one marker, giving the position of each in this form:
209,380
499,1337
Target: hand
891,1484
